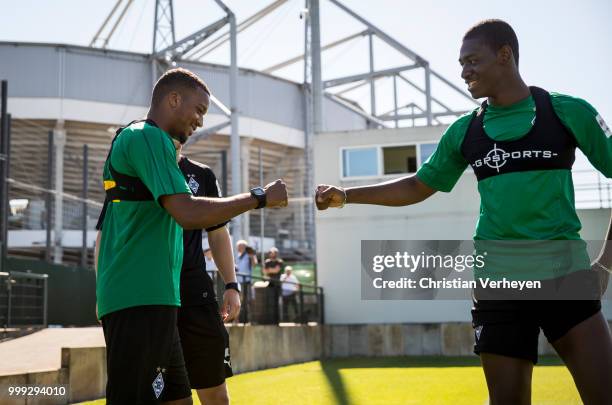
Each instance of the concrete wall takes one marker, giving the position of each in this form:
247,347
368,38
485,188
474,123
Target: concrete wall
83,369
427,339
123,79
255,347
444,216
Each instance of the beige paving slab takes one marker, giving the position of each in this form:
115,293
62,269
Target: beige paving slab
41,351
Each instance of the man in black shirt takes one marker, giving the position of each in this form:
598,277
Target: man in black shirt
273,265
204,339
272,269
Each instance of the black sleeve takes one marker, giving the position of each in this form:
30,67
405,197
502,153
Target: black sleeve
211,185
211,189
102,214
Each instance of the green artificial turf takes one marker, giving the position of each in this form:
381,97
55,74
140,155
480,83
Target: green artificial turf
398,380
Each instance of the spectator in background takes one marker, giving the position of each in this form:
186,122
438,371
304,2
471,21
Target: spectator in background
273,265
245,260
272,269
208,259
290,287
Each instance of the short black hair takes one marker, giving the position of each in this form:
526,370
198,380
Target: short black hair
176,79
495,33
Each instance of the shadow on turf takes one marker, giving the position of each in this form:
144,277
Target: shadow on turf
331,368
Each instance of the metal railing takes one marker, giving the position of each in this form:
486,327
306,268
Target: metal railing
23,299
263,301
592,189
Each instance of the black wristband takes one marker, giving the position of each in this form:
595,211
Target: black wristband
232,286
260,195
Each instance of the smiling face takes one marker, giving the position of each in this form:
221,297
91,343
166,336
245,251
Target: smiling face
188,109
483,69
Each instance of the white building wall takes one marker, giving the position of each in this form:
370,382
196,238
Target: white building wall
339,232
114,87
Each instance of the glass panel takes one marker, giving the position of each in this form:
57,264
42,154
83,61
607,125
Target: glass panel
359,162
400,159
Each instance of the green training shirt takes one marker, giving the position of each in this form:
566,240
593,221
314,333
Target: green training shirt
141,249
527,205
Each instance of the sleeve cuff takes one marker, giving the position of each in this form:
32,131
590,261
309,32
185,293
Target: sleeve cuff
429,181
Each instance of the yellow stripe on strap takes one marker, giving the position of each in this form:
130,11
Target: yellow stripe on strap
108,184
116,201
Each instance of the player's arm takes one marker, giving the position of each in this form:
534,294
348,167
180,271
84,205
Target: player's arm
440,173
97,246
605,258
603,263
394,193
96,254
97,250
204,212
592,134
594,138
99,234
221,247
152,157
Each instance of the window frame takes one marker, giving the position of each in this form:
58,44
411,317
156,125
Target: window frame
380,159
341,162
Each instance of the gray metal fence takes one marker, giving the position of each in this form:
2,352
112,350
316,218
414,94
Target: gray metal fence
263,302
23,299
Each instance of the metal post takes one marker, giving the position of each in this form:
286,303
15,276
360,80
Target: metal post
428,95
59,137
237,231
85,187
599,189
395,100
317,112
7,174
246,288
261,212
245,164
372,80
321,301
317,83
224,172
3,165
172,21
155,28
10,300
302,320
48,199
306,210
45,299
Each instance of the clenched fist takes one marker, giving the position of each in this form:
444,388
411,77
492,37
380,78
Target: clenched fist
329,196
276,194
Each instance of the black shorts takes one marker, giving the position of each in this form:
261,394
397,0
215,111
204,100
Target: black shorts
144,358
511,328
205,343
